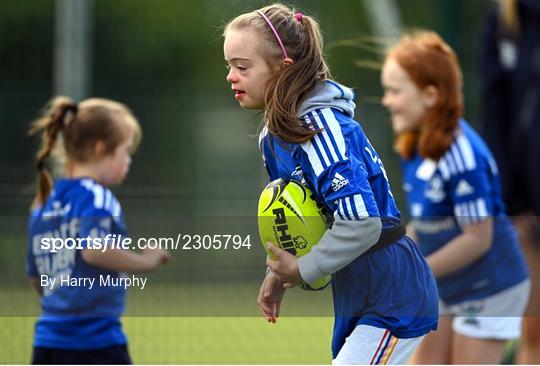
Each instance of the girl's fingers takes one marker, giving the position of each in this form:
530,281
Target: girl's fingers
277,310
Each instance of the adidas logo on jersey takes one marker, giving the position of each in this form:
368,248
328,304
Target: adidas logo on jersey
339,182
57,211
463,188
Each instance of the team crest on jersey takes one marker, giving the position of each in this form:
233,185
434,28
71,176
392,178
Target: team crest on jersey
298,175
339,182
435,190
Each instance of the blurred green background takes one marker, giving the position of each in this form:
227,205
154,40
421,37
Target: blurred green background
198,169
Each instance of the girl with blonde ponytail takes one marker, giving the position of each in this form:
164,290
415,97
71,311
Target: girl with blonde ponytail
385,298
81,323
51,125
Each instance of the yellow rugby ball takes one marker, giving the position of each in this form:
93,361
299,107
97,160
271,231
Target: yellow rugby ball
290,217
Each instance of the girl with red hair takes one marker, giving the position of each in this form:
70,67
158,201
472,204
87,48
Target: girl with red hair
454,200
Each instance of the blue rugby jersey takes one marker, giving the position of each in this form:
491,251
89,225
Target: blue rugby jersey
392,288
339,165
76,317
461,189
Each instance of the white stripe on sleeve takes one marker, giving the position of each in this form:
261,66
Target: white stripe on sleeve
461,211
360,206
320,145
314,160
327,138
457,158
451,165
335,132
467,152
347,209
472,211
444,169
481,207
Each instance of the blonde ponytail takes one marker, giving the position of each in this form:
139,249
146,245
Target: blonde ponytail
49,125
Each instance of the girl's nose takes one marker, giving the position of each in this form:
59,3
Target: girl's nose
231,76
384,101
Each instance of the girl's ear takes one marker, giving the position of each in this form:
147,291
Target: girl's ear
288,61
99,149
430,95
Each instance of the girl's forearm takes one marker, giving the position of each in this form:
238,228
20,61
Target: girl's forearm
463,250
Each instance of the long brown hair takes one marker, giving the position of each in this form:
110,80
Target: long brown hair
287,87
429,61
81,126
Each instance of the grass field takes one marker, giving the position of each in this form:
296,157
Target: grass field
183,337
224,340
196,324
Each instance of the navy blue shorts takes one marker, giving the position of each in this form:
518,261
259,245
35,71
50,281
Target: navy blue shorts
392,288
117,355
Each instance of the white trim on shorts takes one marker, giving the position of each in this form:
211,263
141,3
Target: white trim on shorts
495,317
368,345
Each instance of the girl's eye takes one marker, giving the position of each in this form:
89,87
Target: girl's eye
242,68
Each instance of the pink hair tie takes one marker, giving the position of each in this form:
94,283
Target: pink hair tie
298,16
274,31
